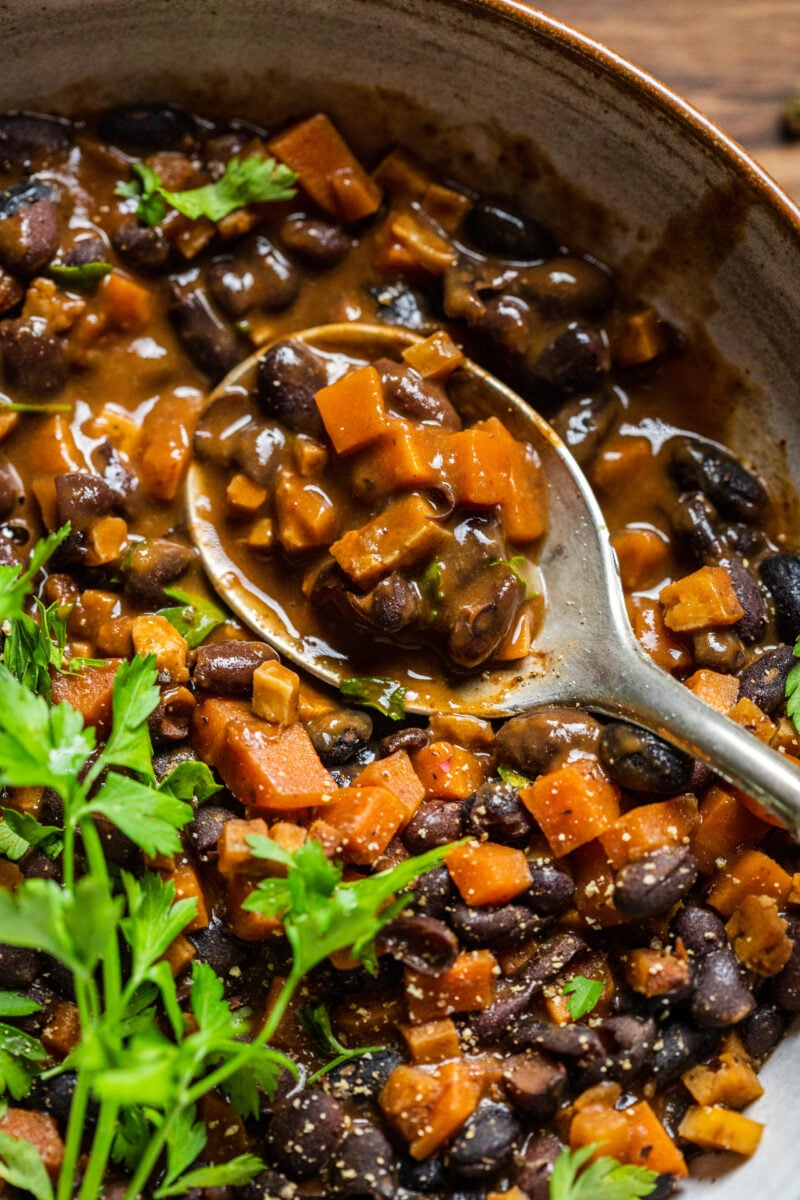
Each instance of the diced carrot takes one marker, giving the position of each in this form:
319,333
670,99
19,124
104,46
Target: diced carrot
725,828
62,1030
353,411
249,926
488,873
273,766
227,1136
90,692
477,462
154,634
666,650
447,206
436,357
187,886
166,444
243,497
751,874
400,458
649,827
328,169
305,514
405,533
519,640
571,805
418,236
759,935
390,256
605,1094
523,509
467,987
400,174
426,1107
448,772
731,1081
289,1034
210,722
235,857
329,838
594,886
643,556
718,690
367,819
654,973
752,718
179,954
600,1124
398,775
40,1129
716,1128
432,1042
619,462
638,339
473,733
128,305
650,1145
706,599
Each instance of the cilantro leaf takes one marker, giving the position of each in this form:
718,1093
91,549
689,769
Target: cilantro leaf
316,1021
131,1138
194,617
154,919
19,831
15,584
21,1166
40,746
150,818
514,778
604,1179
583,995
792,689
251,180
74,926
385,695
236,1171
191,781
80,278
145,188
32,647
136,694
185,1143
12,1004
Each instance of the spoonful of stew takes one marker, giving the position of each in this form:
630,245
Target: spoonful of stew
399,523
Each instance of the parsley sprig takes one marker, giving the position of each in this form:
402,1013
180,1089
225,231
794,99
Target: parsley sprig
252,180
792,689
316,1020
604,1179
583,995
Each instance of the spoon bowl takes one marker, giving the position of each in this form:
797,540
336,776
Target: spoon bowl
585,653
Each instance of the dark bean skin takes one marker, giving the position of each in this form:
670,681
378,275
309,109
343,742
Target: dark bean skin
507,925
268,1183
653,884
576,360
232,285
781,574
764,681
410,739
18,197
11,489
151,566
303,1135
434,893
763,1029
719,650
566,287
227,668
215,946
82,498
399,304
362,1079
205,829
752,625
147,127
583,422
144,248
18,966
33,361
786,985
392,605
694,519
575,1042
434,824
629,1043
415,397
721,996
339,735
700,930
639,761
29,238
535,1166
421,942
288,377
364,1164
11,291
534,1084
551,890
499,231
544,739
513,996
24,136
314,241
495,812
277,280
485,1142
54,1096
258,451
211,343
482,617
85,250
426,1176
677,1047
707,468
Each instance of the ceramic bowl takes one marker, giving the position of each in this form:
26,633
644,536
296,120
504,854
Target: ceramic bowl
505,98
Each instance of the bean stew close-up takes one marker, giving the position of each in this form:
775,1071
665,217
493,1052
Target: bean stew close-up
260,937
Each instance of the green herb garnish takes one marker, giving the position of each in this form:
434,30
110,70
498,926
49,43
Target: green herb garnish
604,1179
583,995
792,689
80,278
194,617
385,695
21,1165
250,180
513,778
316,1021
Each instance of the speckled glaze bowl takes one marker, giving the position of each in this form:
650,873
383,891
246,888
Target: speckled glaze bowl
506,98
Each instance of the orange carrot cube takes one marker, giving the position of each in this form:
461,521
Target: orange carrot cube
572,805
725,827
306,515
405,533
718,690
488,873
436,357
666,650
353,411
273,766
467,987
650,1145
432,1042
648,827
751,874
706,599
643,555
448,772
426,1107
367,819
328,169
398,775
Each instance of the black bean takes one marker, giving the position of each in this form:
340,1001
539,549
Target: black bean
314,241
393,604
583,422
639,761
505,925
428,1175
483,614
567,287
652,884
781,574
233,286
35,864
258,451
267,1185
19,966
751,626
289,376
81,498
574,1042
227,668
144,248
721,996
421,942
786,985
364,1077
399,304
211,343
496,812
303,1135
495,229
364,1164
550,892
54,1096
277,280
700,930
694,519
534,1084
11,291
151,566
147,127
338,736
25,136
215,946
678,1046
535,1166
763,1029
435,823
513,996
414,396
12,491
14,199
718,650
485,1142
33,361
703,466
764,681
410,739
205,829
541,740
628,1041
29,238
88,249
434,893
169,720
575,360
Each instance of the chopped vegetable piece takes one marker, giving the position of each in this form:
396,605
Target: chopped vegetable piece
487,873
716,1128
384,695
573,805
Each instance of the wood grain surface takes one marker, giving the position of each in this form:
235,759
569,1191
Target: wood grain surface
735,60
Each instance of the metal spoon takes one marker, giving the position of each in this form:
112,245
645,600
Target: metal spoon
585,652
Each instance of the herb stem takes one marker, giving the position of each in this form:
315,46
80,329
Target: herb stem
112,971
75,1128
151,1155
101,1149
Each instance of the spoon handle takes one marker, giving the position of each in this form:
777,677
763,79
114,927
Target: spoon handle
648,696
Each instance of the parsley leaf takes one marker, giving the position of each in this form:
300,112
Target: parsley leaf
32,647
40,746
514,778
136,694
604,1179
14,1005
131,1138
250,180
19,831
385,695
21,1166
74,926
194,617
316,1021
153,919
191,781
792,689
583,995
15,584
20,1055
147,816
151,208
233,1173
80,278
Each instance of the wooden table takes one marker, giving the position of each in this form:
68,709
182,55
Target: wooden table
735,60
